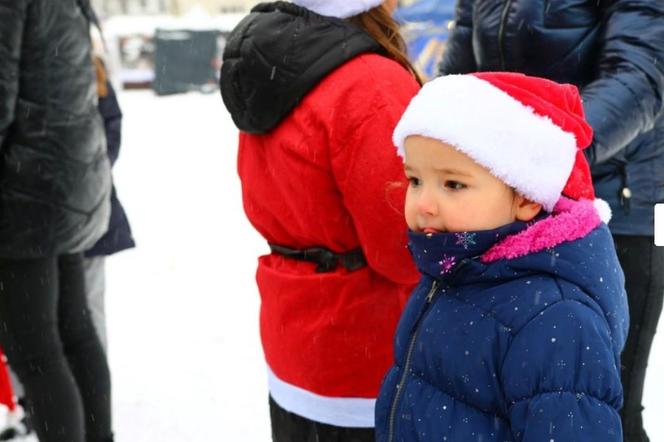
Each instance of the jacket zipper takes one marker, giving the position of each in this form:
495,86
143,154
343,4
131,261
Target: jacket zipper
501,33
406,366
429,301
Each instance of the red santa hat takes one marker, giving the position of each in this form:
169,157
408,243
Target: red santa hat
10,413
338,8
528,132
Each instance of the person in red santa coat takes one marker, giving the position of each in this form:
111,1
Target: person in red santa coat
316,89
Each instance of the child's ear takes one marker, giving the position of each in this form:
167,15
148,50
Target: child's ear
526,210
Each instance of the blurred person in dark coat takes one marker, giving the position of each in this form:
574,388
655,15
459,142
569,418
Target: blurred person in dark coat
54,204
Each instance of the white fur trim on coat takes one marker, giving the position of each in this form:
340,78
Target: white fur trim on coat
523,149
339,411
338,8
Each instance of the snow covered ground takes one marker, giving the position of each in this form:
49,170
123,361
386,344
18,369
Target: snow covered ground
183,307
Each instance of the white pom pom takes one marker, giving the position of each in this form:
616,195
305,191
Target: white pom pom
603,210
4,417
16,416
338,8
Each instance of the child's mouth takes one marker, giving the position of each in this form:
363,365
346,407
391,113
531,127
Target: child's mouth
430,230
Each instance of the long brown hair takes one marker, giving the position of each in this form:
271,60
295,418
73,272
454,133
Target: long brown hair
380,25
102,76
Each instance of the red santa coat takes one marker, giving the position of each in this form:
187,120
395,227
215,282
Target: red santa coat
328,175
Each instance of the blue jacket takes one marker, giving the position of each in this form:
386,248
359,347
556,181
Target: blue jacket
118,236
511,349
613,50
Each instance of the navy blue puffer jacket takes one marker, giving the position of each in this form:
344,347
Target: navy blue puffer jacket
613,50
515,349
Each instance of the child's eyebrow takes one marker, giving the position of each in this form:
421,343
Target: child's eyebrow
448,171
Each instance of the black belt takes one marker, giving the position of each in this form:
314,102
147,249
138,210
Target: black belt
326,260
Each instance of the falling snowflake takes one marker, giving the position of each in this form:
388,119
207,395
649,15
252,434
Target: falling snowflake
446,264
465,239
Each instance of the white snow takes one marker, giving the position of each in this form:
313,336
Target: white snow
183,307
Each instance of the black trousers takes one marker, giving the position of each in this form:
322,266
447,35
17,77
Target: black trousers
50,342
643,264
289,427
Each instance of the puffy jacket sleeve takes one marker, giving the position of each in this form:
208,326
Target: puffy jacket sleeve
562,379
12,17
368,171
626,96
459,57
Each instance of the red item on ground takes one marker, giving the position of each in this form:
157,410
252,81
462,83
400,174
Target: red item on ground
6,392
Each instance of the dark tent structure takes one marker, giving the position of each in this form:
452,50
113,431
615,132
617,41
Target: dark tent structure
184,60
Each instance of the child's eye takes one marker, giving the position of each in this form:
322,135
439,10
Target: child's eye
414,181
454,185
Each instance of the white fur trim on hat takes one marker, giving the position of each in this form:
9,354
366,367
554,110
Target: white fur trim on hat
11,419
338,8
523,149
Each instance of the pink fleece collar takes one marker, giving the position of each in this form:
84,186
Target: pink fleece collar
570,220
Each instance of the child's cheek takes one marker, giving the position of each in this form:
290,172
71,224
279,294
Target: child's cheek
410,211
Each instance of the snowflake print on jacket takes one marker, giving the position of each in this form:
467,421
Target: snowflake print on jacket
465,239
447,264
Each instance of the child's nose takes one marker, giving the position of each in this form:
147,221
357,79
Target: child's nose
426,204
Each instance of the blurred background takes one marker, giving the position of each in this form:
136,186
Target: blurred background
174,46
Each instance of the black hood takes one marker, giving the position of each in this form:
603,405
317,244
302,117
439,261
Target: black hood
276,55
